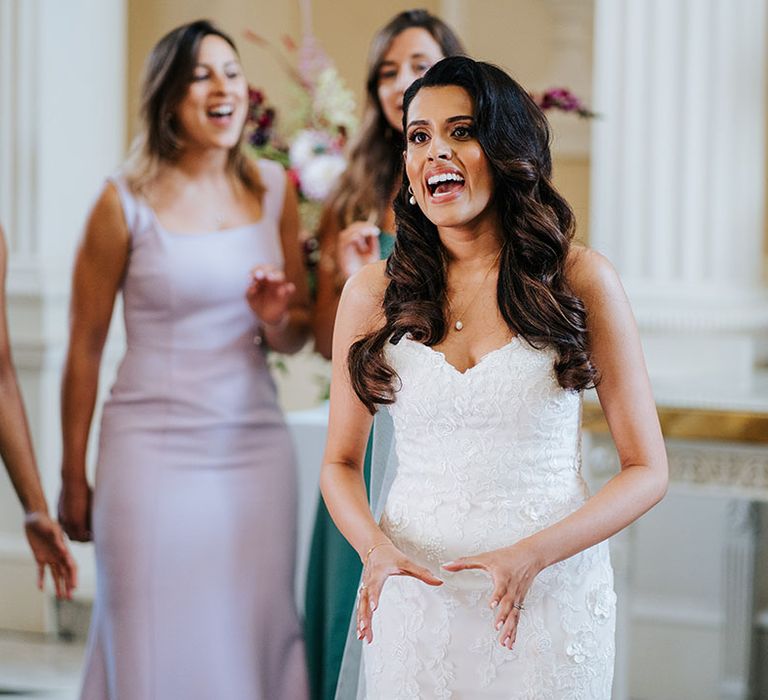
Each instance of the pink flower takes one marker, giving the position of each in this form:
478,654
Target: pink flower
293,176
255,96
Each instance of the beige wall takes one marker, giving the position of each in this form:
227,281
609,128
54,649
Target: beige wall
572,180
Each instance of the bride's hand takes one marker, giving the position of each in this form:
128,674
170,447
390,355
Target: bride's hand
384,561
512,570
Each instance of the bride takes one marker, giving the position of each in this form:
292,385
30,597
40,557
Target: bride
479,335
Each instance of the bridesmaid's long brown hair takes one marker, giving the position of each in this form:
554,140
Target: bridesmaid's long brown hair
376,154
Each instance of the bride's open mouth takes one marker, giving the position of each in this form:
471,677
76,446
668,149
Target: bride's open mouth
445,185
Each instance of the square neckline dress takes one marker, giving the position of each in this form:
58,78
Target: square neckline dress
194,513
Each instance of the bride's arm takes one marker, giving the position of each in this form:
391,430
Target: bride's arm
625,396
341,479
627,402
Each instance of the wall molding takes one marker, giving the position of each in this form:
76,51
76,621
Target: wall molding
730,470
676,612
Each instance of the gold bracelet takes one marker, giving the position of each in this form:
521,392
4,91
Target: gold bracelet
368,553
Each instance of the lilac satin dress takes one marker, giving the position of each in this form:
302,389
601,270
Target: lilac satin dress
194,516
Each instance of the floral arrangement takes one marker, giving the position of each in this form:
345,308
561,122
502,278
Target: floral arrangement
313,153
311,148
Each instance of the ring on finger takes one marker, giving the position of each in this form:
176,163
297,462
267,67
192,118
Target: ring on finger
518,606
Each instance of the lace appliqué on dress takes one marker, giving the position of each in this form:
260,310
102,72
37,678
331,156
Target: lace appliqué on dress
487,457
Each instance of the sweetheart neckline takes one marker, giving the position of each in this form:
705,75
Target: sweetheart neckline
441,355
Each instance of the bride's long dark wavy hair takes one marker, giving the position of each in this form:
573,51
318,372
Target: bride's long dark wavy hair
537,227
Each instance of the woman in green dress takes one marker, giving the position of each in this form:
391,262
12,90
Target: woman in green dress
353,232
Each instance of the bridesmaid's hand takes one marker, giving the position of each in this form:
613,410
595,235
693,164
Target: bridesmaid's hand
385,561
512,570
269,294
47,543
75,510
356,246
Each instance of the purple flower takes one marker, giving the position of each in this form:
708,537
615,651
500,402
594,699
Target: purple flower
258,137
564,100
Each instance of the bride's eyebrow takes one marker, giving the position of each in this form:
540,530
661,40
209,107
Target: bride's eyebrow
450,120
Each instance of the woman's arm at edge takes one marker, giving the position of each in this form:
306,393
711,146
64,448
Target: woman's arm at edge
15,441
100,264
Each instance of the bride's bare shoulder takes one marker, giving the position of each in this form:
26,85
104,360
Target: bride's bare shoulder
591,275
361,300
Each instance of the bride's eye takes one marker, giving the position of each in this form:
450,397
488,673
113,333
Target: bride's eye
463,132
417,137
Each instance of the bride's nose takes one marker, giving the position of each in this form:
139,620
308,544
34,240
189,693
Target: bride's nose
439,148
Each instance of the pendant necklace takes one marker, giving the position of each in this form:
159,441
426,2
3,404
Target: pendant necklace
459,324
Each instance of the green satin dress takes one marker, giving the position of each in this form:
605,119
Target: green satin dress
332,578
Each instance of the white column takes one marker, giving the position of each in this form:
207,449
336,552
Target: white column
678,164
738,601
62,130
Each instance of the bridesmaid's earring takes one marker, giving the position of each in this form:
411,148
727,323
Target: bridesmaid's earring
411,199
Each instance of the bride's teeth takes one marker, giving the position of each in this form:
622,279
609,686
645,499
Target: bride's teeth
444,177
221,111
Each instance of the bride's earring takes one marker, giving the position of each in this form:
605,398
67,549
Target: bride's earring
411,199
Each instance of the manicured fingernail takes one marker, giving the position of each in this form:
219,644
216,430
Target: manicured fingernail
448,563
373,606
494,603
499,624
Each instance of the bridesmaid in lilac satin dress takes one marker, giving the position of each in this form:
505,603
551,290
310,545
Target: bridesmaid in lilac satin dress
194,510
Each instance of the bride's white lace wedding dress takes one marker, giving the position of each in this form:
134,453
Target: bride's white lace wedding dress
487,457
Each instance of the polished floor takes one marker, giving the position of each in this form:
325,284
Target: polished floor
35,666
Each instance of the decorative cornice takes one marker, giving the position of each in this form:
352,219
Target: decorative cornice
695,424
735,471
697,308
